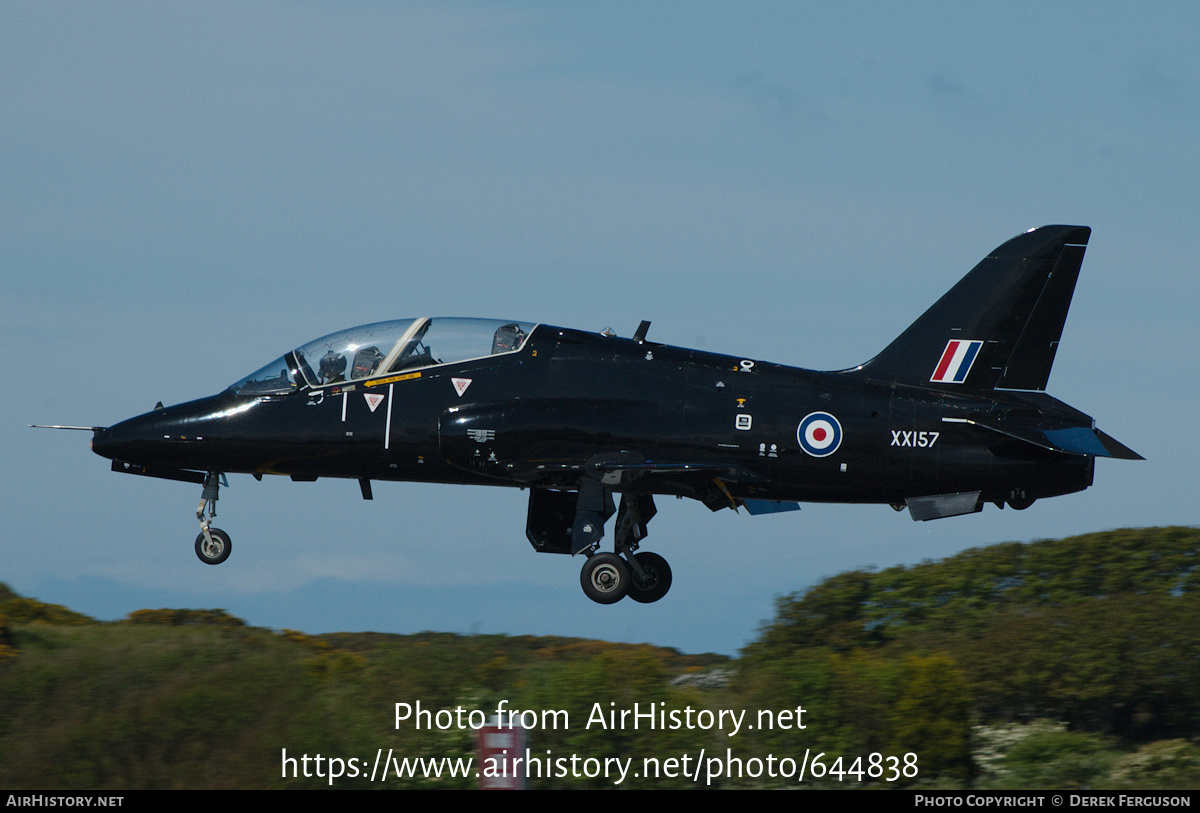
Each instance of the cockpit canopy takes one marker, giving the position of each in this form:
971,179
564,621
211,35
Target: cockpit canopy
385,347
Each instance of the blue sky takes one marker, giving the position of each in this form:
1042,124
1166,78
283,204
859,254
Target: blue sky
190,189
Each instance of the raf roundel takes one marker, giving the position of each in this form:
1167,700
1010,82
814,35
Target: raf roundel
819,434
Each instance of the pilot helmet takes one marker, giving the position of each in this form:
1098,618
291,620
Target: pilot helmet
507,338
332,367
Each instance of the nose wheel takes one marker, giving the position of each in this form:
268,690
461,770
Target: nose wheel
213,546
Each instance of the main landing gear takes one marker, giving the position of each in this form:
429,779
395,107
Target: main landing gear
212,545
573,522
645,577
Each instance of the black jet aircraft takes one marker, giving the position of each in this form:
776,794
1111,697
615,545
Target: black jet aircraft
951,415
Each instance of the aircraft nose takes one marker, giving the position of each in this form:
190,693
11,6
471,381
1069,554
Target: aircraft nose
189,436
128,440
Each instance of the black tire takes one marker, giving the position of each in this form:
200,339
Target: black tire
657,581
219,550
605,578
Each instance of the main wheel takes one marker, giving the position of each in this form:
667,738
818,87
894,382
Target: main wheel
218,551
657,580
605,578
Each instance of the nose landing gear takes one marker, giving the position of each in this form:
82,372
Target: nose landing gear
212,545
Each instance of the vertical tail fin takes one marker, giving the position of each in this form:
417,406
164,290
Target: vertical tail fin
999,327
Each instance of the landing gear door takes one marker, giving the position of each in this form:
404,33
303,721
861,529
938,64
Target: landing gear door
550,519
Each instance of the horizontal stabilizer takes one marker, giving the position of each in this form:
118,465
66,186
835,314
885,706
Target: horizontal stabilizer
1057,436
1116,448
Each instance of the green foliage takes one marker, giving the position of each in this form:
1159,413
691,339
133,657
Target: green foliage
31,611
956,594
1044,754
862,702
931,715
1096,630
334,666
1164,765
1126,664
1057,760
178,618
834,614
7,652
112,706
